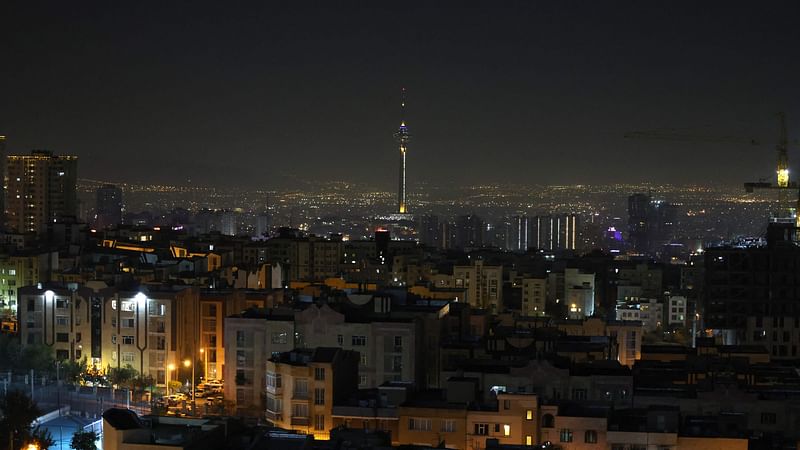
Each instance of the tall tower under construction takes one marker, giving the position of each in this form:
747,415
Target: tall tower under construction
402,140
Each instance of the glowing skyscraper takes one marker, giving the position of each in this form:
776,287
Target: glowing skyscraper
402,139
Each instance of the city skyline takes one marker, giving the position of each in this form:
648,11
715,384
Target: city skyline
228,226
524,92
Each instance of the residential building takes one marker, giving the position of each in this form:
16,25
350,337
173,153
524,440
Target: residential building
41,188
483,283
303,385
534,296
108,212
253,337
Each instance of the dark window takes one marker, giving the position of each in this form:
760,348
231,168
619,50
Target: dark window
768,418
566,435
62,337
548,421
590,437
319,396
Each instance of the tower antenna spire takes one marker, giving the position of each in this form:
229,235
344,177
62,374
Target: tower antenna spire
402,106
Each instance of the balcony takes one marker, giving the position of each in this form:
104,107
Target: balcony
358,412
301,421
275,390
275,416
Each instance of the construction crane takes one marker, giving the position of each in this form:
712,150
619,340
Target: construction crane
782,171
673,134
783,154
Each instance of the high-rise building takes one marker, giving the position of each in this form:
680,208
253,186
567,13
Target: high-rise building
263,224
429,231
751,293
469,231
651,223
403,137
638,214
559,232
227,223
519,233
2,175
109,207
41,190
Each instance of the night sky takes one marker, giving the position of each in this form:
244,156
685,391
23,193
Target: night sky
271,93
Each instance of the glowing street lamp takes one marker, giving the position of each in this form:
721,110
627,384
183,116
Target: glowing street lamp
187,363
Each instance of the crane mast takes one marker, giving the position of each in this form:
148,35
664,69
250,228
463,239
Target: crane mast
783,154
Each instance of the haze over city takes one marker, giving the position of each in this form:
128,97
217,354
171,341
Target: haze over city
523,92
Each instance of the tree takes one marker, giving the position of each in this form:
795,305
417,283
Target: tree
141,383
42,438
38,357
10,351
121,377
174,386
92,375
83,440
19,412
71,370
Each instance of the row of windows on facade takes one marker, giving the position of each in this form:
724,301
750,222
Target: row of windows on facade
282,337
484,429
274,380
154,308
300,393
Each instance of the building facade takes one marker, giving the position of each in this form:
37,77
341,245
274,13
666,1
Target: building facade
41,188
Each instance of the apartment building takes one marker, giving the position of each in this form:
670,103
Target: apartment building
484,284
534,296
302,386
253,337
429,419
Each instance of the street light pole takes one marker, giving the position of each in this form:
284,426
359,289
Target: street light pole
205,364
186,364
170,368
